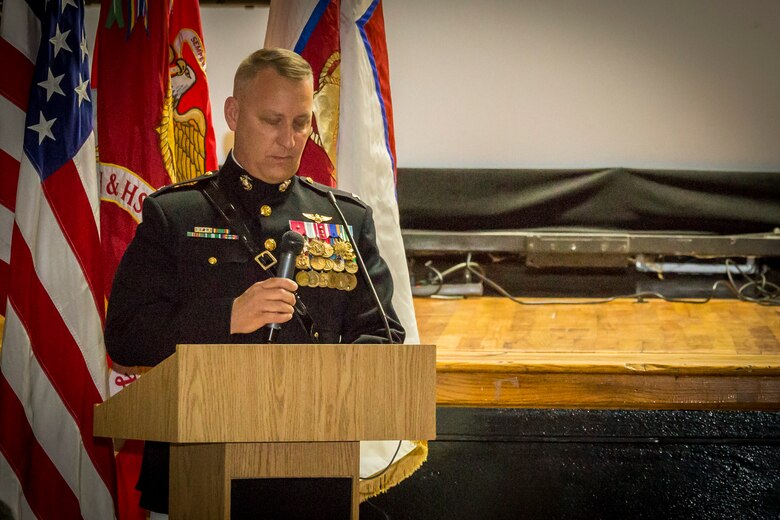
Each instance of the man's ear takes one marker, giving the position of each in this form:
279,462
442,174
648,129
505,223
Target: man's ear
231,112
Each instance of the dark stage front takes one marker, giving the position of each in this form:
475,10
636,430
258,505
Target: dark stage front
508,464
650,410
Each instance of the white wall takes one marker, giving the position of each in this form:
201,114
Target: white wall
574,83
690,84
230,35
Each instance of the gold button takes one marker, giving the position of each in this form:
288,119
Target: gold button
309,180
270,244
265,210
212,260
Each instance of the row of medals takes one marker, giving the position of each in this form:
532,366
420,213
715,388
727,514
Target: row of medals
324,265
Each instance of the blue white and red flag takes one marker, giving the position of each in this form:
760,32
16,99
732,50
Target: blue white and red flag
311,28
53,360
344,41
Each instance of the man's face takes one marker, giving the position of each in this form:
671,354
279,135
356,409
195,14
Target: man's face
271,116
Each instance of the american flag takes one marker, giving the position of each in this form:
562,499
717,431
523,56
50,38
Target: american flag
53,364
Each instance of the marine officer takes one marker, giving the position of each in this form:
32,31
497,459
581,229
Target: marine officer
200,268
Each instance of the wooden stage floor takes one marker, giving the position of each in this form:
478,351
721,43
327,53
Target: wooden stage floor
724,354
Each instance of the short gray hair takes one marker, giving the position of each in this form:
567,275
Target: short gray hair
286,63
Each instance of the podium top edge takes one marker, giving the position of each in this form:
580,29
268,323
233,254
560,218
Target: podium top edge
306,345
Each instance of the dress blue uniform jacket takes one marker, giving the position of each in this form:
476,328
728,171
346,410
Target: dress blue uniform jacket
175,285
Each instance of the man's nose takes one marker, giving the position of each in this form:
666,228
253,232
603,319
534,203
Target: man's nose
286,137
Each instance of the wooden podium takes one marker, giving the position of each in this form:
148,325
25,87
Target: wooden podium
272,411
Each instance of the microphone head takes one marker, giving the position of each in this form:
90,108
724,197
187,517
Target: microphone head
292,242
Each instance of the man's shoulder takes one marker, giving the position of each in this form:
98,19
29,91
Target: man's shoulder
195,184
323,190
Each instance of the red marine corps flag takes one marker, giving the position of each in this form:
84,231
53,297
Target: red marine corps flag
344,41
154,116
53,361
154,128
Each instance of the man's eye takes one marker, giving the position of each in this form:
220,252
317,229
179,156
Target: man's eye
272,122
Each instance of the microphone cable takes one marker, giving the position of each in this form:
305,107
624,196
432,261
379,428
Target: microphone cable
381,309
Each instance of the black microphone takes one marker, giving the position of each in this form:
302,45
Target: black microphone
362,265
291,246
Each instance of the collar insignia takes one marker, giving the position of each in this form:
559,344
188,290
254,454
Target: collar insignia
246,182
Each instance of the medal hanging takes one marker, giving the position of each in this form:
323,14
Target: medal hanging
328,258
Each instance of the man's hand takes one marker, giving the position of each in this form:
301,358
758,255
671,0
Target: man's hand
269,301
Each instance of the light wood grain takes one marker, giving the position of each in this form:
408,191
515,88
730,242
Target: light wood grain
293,459
492,352
145,411
306,392
201,474
199,483
278,393
608,391
497,324
223,407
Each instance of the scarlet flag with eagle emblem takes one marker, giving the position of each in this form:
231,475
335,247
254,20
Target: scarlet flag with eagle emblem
344,41
154,115
154,128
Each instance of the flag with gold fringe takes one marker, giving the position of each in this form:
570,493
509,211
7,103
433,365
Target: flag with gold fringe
345,43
